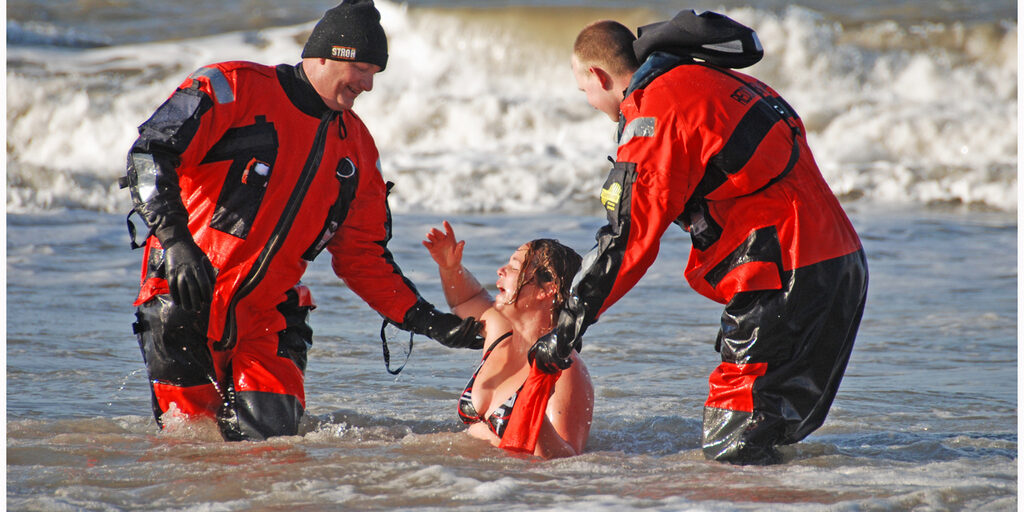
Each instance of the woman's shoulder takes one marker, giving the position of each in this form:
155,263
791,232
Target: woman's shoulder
571,406
495,324
576,378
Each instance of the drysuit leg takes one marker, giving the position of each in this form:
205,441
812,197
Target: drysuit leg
265,396
784,353
177,357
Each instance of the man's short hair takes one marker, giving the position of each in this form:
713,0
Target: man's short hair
608,44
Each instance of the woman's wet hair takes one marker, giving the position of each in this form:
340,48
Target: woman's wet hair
548,261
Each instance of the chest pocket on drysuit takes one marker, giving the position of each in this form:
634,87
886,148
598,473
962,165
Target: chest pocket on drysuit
252,151
348,179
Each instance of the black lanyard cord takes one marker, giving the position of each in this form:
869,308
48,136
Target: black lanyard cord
387,353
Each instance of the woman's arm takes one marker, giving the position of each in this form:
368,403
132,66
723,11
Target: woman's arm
569,414
550,444
464,294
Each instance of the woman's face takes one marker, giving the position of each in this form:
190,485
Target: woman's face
508,280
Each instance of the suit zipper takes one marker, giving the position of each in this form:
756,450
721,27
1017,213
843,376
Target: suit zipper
277,238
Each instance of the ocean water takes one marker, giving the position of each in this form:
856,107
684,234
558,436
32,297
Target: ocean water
916,104
912,112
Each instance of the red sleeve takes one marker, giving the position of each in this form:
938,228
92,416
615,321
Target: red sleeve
173,141
656,198
359,249
645,192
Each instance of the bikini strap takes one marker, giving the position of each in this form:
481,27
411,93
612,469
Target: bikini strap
496,342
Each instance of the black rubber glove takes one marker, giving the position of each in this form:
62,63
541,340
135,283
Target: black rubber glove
190,275
445,328
549,355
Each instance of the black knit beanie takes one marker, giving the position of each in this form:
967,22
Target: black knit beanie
351,31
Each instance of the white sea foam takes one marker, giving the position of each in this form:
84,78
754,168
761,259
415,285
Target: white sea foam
478,111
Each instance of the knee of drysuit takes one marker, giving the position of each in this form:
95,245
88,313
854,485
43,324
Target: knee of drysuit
258,415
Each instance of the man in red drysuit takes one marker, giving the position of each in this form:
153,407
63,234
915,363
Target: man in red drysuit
244,175
726,158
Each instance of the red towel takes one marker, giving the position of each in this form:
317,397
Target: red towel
528,414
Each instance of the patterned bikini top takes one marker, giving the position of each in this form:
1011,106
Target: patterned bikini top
498,419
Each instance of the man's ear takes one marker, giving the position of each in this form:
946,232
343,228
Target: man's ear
603,77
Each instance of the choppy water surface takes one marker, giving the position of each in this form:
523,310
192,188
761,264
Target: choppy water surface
925,419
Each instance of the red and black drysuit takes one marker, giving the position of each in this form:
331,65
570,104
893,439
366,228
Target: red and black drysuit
266,177
724,157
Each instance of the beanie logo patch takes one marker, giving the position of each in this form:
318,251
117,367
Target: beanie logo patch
343,52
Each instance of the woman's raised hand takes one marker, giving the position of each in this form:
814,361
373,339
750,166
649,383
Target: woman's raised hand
443,247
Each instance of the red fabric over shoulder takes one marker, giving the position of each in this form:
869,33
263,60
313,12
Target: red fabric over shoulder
528,415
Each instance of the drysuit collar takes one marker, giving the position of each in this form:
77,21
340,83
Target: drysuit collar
300,91
656,65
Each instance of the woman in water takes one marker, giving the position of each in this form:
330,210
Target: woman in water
507,401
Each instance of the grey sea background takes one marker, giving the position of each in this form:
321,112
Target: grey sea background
912,112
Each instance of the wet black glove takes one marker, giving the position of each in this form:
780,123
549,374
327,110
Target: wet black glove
553,350
190,276
445,328
550,355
